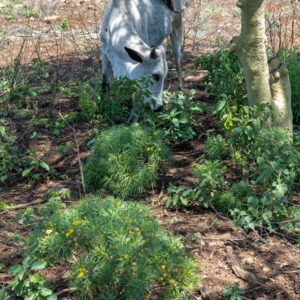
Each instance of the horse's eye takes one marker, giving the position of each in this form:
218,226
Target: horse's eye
156,77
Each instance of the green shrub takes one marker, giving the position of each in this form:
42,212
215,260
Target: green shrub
225,78
212,182
178,119
126,160
267,166
216,147
118,250
28,283
122,102
292,62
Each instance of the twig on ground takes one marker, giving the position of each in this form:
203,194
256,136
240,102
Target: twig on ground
67,290
24,205
220,239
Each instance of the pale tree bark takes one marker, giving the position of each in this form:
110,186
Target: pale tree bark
265,84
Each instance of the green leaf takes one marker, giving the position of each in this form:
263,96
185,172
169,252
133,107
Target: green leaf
175,122
183,120
15,269
36,278
168,202
45,166
26,172
249,131
52,297
38,265
181,188
220,105
281,190
30,297
184,201
260,160
2,130
46,292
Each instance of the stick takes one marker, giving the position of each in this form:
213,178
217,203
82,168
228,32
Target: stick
20,206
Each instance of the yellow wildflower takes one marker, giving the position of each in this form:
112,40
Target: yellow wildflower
76,223
148,148
155,133
49,231
81,274
163,267
126,256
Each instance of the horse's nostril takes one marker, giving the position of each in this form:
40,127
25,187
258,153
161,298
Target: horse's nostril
159,109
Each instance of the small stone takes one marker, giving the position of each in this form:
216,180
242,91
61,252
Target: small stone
266,269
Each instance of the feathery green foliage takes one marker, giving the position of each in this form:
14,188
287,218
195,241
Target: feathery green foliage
126,160
118,250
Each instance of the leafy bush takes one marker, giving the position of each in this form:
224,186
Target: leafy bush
216,147
28,284
118,250
122,102
178,119
179,196
126,160
225,78
269,167
292,62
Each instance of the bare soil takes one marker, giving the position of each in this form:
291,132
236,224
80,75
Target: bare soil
266,266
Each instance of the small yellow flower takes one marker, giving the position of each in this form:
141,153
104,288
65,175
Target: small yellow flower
126,256
148,148
71,231
81,274
109,158
155,133
159,149
67,234
76,223
163,267
98,138
49,231
134,263
121,258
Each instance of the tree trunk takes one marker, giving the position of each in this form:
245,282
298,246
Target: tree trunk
264,85
281,95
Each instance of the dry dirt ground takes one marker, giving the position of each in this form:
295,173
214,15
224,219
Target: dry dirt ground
265,266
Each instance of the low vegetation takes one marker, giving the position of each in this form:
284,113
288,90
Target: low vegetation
118,249
126,160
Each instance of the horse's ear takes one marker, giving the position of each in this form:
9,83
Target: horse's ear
133,54
153,53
